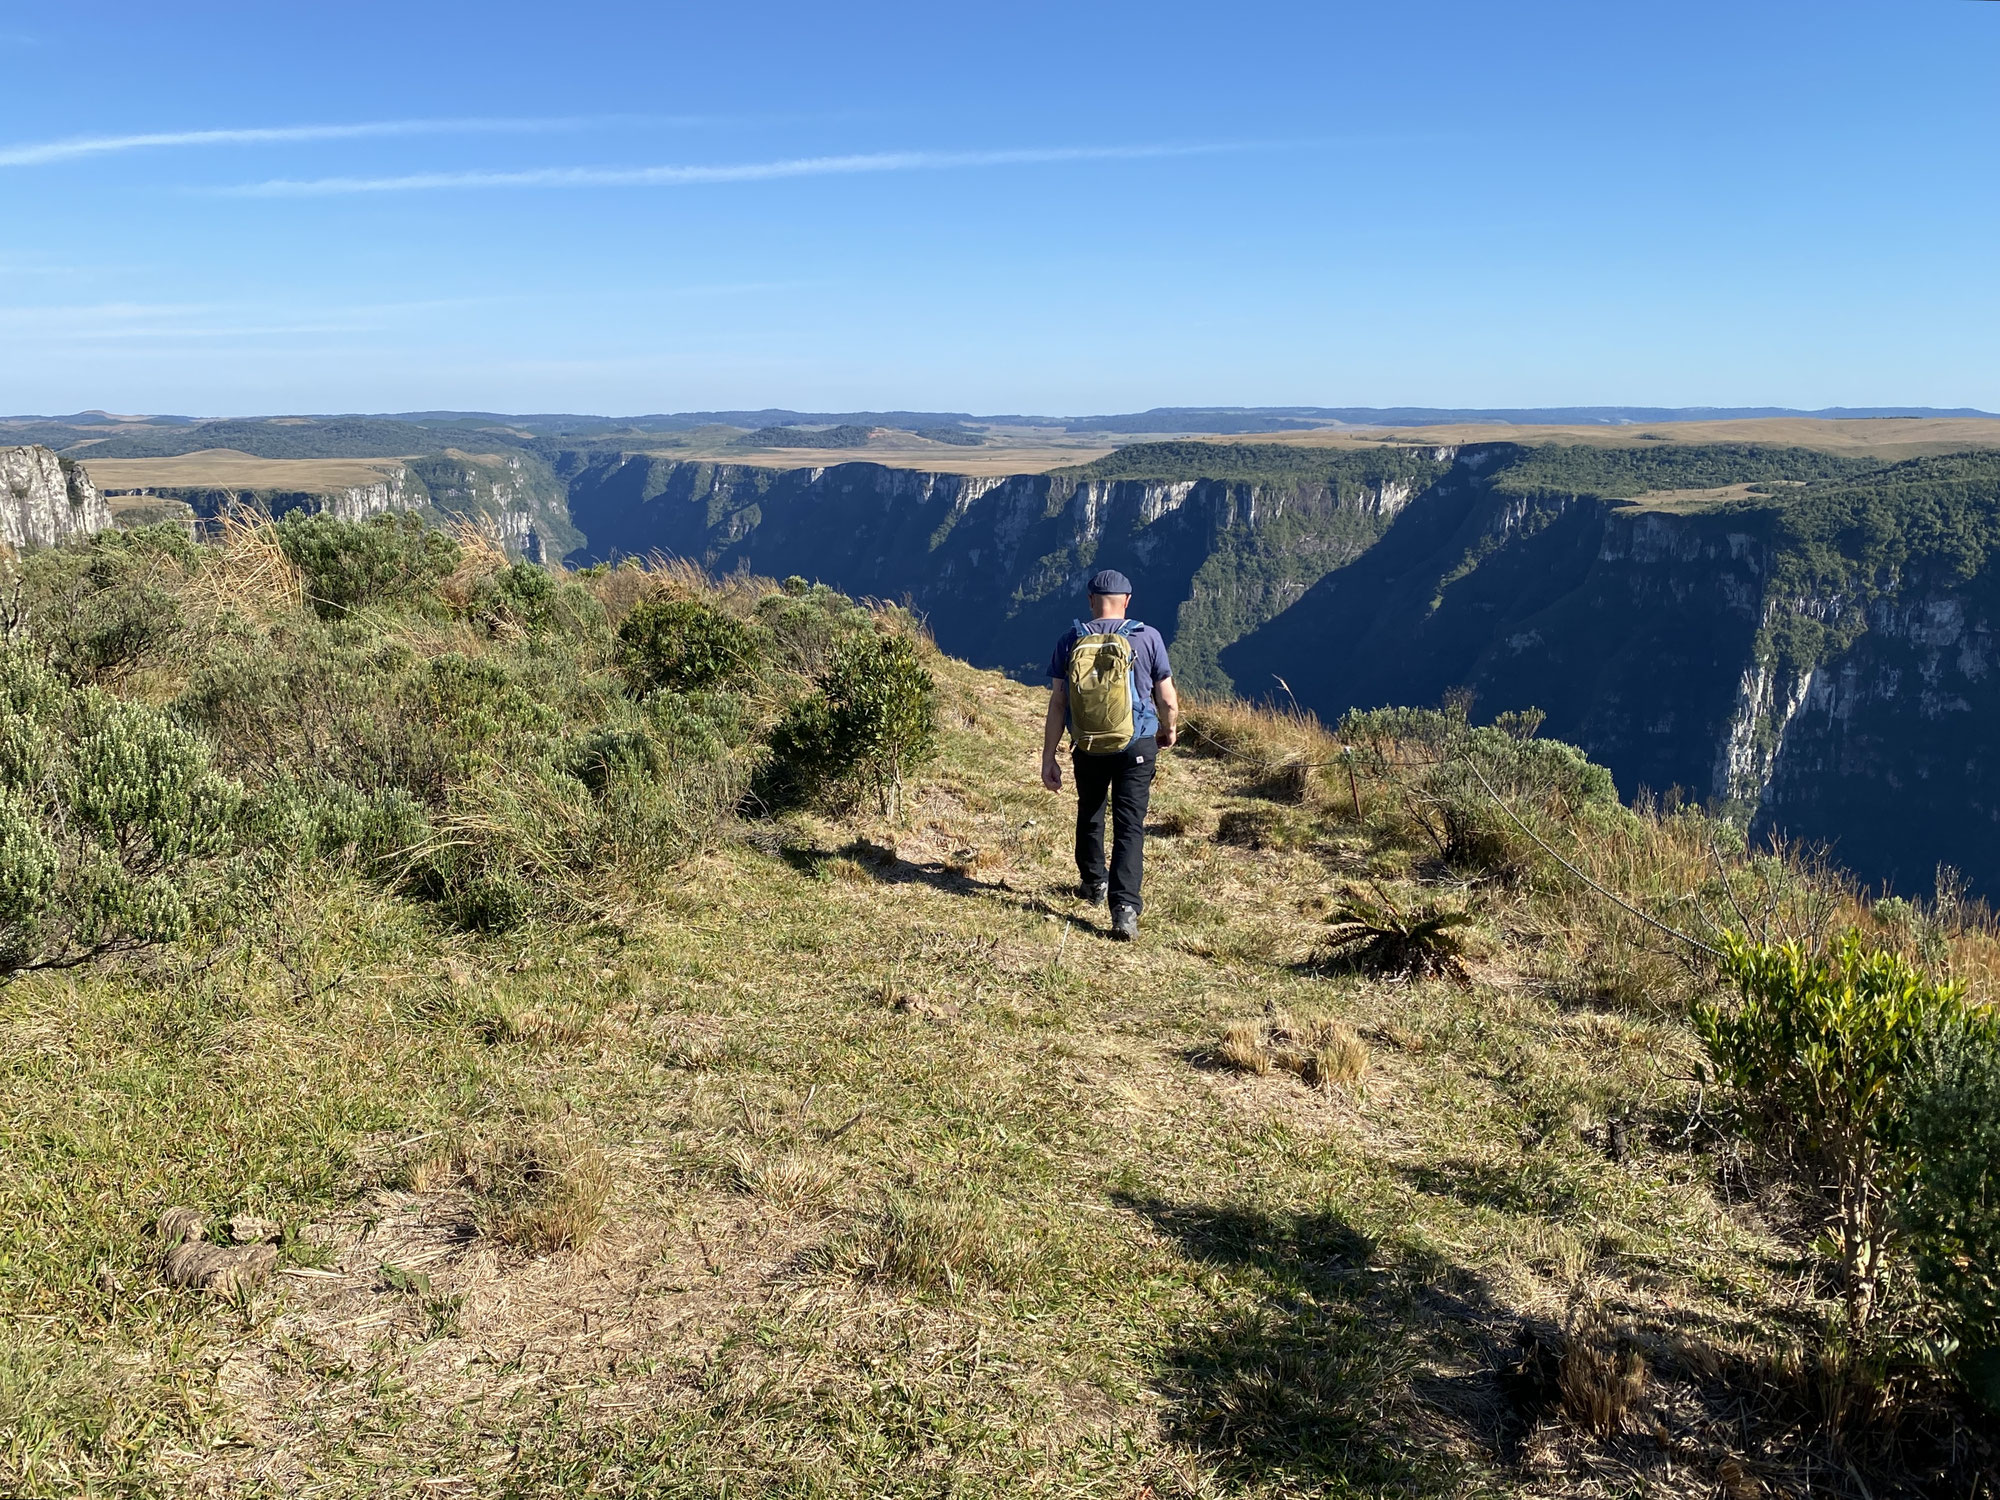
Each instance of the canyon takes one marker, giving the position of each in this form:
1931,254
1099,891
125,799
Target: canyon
1803,633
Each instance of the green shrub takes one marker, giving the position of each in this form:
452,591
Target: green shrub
98,610
349,564
683,644
870,723
115,830
1447,773
1822,1046
1951,1206
808,626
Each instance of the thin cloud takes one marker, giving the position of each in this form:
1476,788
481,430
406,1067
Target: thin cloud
36,153
681,176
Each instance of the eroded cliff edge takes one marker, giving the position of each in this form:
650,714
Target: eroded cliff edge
44,501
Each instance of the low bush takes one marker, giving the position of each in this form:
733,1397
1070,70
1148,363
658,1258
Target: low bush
685,644
1951,1204
347,565
98,610
1458,783
1823,1048
870,722
116,831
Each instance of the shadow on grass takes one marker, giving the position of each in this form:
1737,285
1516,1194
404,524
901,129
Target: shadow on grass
1326,1376
886,867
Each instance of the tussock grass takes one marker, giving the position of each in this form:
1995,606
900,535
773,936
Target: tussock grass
945,1244
792,1181
1285,756
1601,1377
537,1192
1321,1050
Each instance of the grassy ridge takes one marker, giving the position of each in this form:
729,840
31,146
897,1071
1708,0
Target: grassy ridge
877,1171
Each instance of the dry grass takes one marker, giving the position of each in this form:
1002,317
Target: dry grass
227,469
793,1182
1890,438
245,570
1285,755
1601,1377
1321,1050
537,1192
939,1244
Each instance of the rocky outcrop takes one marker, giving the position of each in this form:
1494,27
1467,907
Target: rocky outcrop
513,498
997,564
359,502
1889,756
43,502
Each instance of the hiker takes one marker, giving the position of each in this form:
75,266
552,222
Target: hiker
1111,686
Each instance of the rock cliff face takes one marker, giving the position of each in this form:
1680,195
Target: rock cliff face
42,504
997,564
1657,639
513,498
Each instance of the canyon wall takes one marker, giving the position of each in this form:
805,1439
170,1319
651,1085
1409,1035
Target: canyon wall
1666,643
997,565
42,502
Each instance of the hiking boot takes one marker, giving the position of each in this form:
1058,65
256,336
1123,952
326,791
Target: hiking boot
1124,924
1091,892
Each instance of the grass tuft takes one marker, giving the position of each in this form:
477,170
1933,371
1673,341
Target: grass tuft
1601,1377
942,1246
536,1193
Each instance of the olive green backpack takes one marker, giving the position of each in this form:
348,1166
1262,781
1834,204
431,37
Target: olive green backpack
1103,694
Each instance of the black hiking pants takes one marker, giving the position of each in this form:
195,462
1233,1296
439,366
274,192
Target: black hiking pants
1124,779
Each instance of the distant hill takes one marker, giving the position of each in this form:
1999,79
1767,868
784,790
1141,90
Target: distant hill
1233,419
846,435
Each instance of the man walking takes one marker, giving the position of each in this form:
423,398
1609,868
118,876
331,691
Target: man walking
1111,687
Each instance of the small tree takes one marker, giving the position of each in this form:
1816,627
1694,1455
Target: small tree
114,828
871,722
1822,1046
684,644
349,564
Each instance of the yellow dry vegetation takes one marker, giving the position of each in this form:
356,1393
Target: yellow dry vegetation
226,468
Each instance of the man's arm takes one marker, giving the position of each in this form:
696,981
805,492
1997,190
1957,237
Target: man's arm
1052,733
1169,702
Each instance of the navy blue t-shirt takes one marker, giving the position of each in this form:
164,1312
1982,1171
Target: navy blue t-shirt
1149,664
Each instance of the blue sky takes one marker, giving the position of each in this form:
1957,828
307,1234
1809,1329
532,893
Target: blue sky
1037,207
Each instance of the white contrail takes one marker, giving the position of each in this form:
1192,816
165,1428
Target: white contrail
759,171
46,151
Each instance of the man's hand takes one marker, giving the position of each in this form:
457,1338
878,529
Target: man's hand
1169,699
1051,773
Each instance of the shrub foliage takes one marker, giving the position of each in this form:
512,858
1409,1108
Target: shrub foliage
870,722
115,828
1823,1047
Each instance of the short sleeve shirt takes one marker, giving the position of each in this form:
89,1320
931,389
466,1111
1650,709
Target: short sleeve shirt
1149,659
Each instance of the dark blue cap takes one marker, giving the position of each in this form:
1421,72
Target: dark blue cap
1110,581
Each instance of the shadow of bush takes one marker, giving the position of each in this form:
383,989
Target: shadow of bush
1310,1385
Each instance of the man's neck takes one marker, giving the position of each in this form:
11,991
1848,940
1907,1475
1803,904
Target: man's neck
1103,612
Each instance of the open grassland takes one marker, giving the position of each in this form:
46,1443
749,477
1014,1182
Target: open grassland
1016,451
1883,437
852,1160
226,469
